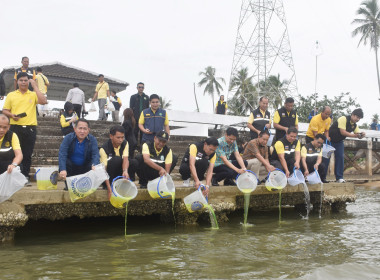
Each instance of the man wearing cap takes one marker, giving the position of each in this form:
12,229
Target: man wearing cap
10,150
259,119
284,118
311,157
20,106
345,126
76,97
102,91
156,160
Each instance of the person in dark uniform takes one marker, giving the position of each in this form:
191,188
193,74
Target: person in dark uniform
259,119
199,158
10,149
117,104
284,118
286,153
25,68
221,108
156,160
138,102
129,124
68,118
311,157
344,127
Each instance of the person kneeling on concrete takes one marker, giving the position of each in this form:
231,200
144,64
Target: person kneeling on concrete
199,158
114,156
286,154
224,167
311,157
156,160
10,149
78,152
256,153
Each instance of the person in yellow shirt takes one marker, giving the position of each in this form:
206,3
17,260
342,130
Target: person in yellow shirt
117,104
114,155
68,118
10,150
311,157
20,107
42,83
259,119
102,91
25,68
284,118
156,160
221,108
286,153
319,124
153,120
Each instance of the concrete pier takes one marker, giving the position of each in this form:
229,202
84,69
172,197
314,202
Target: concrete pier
33,204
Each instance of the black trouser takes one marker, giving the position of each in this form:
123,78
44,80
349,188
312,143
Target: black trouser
321,169
146,173
4,165
137,131
27,136
200,166
115,168
290,163
224,172
78,109
73,169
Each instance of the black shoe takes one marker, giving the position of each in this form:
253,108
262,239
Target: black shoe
65,188
258,182
229,182
324,181
214,182
263,181
143,185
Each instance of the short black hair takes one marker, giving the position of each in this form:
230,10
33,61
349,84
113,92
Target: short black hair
117,128
154,96
318,136
24,58
100,75
264,132
22,74
82,120
263,97
39,69
289,100
140,83
232,131
358,112
212,141
114,91
292,129
75,85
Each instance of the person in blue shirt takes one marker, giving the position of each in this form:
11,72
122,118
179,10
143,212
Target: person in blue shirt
374,125
78,152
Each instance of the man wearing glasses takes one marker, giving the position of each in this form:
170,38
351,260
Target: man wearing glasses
138,103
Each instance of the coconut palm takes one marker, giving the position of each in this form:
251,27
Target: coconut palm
211,82
165,104
369,28
245,95
274,89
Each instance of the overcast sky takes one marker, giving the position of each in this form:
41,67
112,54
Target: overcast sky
166,43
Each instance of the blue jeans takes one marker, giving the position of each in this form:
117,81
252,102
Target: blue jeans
339,159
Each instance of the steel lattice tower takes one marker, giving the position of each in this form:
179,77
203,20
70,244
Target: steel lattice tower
263,46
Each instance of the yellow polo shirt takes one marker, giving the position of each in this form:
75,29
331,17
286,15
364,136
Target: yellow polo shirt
104,157
304,152
193,152
319,125
101,89
279,146
42,82
18,103
168,159
342,122
276,117
15,142
142,119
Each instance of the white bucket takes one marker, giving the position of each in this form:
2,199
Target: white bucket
270,140
313,178
123,190
327,150
296,178
161,187
195,201
276,180
47,177
246,182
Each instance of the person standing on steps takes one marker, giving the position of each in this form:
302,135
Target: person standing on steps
139,102
102,91
25,68
76,97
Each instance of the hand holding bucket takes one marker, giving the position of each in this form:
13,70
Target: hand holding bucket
276,180
161,187
327,150
296,178
195,201
246,182
123,190
313,178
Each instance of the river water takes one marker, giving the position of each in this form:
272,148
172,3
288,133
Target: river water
338,246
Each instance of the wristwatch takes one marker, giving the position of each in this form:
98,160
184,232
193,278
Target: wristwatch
14,164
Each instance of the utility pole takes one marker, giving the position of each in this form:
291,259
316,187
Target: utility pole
196,101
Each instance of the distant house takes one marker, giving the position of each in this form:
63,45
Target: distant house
62,76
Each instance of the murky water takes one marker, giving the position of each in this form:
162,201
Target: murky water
337,246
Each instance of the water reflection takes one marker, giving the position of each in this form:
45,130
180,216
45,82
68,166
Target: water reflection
336,246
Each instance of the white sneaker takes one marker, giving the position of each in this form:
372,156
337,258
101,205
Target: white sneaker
341,181
186,183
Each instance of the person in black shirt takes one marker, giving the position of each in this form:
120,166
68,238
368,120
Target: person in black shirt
138,102
129,124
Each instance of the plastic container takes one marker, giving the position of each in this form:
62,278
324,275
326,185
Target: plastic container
327,150
161,187
296,178
313,178
123,190
195,201
276,180
47,177
270,140
246,182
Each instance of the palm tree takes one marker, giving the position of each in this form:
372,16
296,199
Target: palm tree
245,95
274,89
211,83
165,104
369,28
